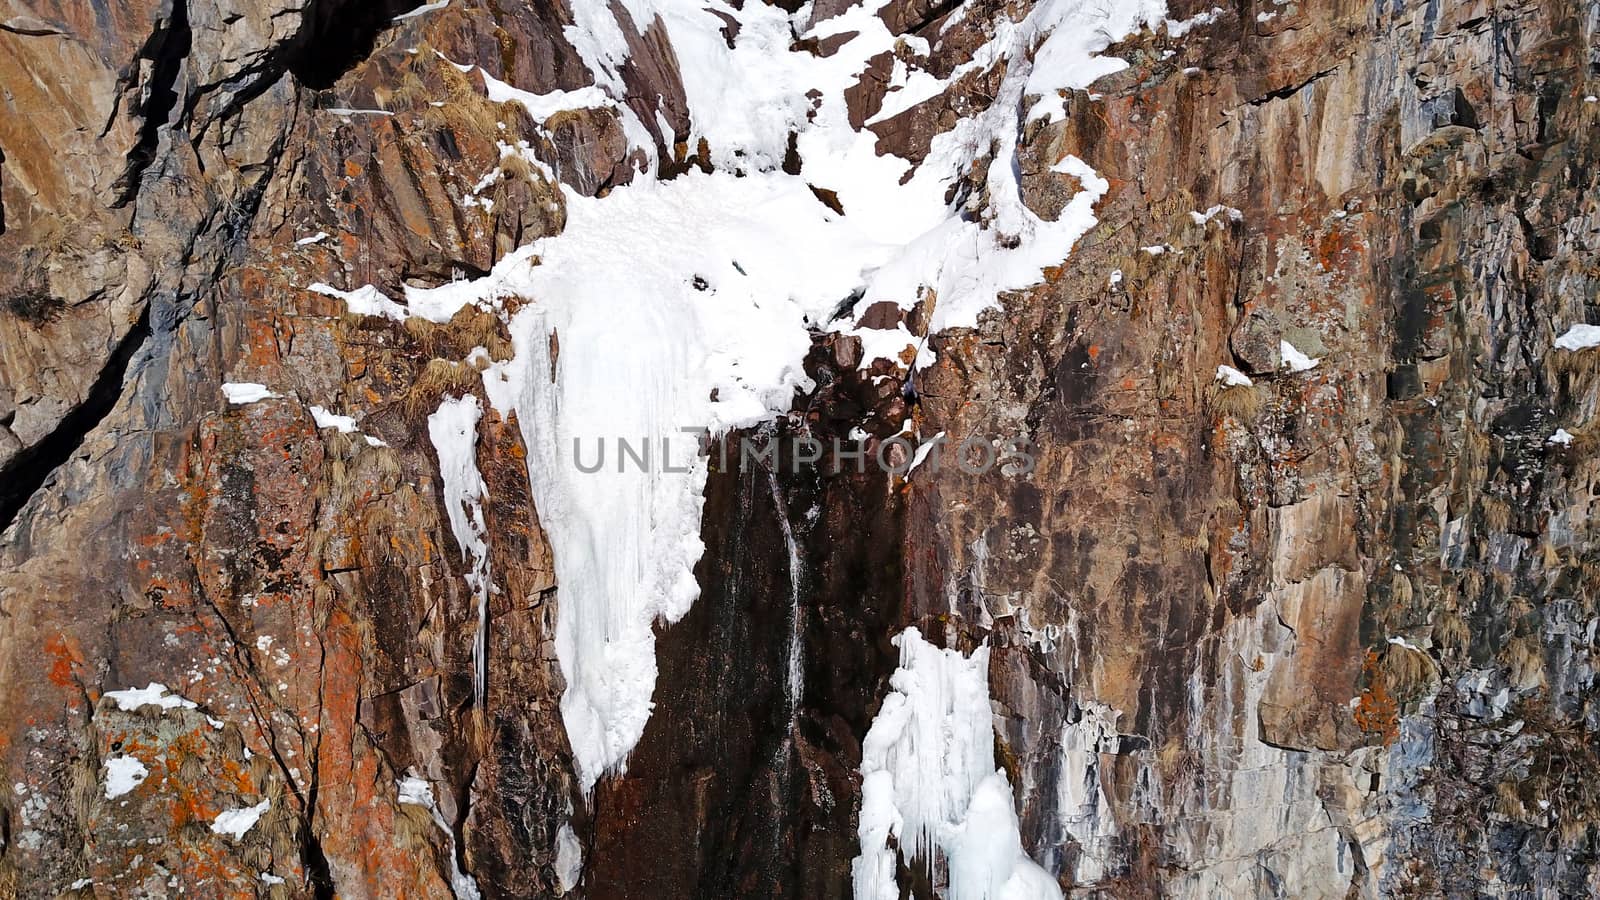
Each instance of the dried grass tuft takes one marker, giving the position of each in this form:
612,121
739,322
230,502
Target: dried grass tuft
515,165
1450,629
437,379
1241,401
409,93
1408,674
1524,663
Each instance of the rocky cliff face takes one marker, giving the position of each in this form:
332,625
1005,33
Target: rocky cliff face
302,594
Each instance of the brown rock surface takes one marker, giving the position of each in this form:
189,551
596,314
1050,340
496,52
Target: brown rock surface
1328,635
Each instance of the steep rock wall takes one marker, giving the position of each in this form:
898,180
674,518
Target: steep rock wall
1329,632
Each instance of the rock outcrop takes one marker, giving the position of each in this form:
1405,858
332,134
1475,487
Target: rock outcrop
1317,630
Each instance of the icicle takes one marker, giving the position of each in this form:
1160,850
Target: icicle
794,675
453,429
929,780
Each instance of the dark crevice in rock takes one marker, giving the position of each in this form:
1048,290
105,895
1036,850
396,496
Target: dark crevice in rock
1290,90
2,191
314,860
31,468
921,19
167,48
34,28
240,215
335,35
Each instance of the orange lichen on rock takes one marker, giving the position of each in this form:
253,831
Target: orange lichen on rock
1376,712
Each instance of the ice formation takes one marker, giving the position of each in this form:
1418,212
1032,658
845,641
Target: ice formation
929,781
454,431
663,294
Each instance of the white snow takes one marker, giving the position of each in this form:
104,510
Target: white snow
1293,359
236,822
242,392
155,694
454,432
424,8
1580,337
269,879
543,106
1562,437
1178,28
1231,377
923,449
1201,218
929,780
123,774
315,238
642,349
326,419
364,301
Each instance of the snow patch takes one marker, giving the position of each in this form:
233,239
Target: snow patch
421,10
1400,641
236,822
1579,337
543,106
364,301
155,694
1180,27
1201,218
922,452
1562,437
240,393
1228,376
1293,359
326,419
123,774
415,791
